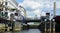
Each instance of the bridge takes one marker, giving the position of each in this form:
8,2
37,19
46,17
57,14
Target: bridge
33,19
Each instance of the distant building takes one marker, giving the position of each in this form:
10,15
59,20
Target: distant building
47,15
22,10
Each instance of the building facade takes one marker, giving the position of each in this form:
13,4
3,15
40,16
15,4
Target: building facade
10,10
8,7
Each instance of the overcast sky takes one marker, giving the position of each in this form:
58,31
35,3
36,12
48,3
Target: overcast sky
39,7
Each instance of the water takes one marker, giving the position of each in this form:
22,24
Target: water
27,31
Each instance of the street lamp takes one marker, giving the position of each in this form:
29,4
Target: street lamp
54,16
54,8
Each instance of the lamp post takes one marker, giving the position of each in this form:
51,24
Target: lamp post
54,8
54,16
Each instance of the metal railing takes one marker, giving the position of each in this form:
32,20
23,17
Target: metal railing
49,26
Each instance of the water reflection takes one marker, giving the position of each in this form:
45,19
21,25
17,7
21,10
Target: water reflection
27,31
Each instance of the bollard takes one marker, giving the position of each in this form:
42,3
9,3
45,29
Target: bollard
45,26
53,25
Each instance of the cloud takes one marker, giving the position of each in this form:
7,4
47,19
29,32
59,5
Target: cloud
39,3
57,0
36,6
33,13
43,14
57,4
32,4
37,11
30,14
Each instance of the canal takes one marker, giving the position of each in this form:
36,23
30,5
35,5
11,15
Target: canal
27,31
33,28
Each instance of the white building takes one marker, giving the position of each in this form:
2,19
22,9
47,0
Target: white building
22,12
9,6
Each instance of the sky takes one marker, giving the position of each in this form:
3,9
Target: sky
36,8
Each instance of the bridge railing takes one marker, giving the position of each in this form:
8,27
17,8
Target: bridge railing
47,26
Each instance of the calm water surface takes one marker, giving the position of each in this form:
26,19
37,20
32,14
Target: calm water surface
27,31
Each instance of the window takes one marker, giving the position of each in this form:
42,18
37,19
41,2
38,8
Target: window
1,9
47,13
1,6
1,3
5,3
6,9
16,14
6,14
